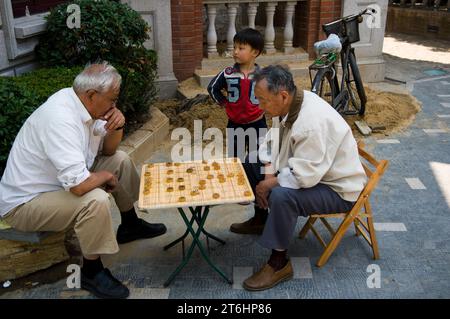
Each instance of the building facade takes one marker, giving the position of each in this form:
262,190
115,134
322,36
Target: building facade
189,35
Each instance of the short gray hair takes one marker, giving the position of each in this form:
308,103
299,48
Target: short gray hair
278,78
99,76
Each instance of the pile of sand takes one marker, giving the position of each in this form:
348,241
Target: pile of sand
394,111
210,114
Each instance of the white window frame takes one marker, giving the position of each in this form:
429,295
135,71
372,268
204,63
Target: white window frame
20,33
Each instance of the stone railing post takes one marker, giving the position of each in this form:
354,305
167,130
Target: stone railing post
211,36
288,29
251,10
232,12
269,36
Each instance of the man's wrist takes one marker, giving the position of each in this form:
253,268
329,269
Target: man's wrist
272,182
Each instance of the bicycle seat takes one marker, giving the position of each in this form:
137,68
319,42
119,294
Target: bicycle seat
331,45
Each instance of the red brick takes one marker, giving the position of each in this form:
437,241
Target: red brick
327,15
187,36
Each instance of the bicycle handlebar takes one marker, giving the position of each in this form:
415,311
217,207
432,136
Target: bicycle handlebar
338,27
366,11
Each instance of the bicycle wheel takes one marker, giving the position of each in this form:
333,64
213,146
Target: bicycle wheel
355,86
323,85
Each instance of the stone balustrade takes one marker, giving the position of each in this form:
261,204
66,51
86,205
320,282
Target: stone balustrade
252,7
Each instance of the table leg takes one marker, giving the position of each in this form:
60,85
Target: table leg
200,245
196,242
191,248
207,234
176,241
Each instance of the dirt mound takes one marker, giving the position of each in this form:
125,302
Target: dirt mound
394,111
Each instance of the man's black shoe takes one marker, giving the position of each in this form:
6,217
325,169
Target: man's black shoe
139,230
104,285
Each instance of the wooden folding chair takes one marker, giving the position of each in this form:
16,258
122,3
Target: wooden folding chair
360,210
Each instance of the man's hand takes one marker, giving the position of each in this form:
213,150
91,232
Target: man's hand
262,191
111,184
103,179
114,118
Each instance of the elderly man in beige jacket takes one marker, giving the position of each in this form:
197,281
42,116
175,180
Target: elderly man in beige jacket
308,163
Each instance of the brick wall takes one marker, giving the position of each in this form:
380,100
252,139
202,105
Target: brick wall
187,37
309,17
433,24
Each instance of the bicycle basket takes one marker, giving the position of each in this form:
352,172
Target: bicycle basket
344,28
352,29
335,27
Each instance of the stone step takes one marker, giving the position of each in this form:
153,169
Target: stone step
372,70
191,87
205,75
19,258
221,62
30,237
9,233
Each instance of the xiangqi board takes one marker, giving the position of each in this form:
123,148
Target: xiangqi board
195,183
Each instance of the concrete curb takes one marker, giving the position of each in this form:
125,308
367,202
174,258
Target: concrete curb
148,138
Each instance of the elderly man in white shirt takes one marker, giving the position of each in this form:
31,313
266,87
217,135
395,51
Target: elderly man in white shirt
62,165
308,163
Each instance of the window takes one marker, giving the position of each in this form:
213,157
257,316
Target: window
21,32
34,6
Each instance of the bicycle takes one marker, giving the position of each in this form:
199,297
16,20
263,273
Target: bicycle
348,98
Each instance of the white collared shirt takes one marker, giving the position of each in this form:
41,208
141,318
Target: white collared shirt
54,150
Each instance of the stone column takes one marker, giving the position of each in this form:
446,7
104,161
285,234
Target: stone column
369,50
232,12
288,29
212,34
270,30
157,13
252,10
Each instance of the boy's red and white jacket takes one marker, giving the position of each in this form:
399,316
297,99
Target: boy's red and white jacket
240,103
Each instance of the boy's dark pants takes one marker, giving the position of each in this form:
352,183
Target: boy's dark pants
238,147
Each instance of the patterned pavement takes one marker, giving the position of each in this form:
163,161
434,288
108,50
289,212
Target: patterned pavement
411,210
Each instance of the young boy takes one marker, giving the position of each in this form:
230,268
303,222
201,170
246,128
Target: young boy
240,102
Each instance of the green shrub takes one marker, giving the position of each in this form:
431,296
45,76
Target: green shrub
46,81
109,31
138,88
16,105
20,96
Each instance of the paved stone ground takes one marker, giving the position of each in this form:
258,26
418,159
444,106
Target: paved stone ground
416,48
411,209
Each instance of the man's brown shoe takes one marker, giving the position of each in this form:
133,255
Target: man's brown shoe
251,226
267,277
